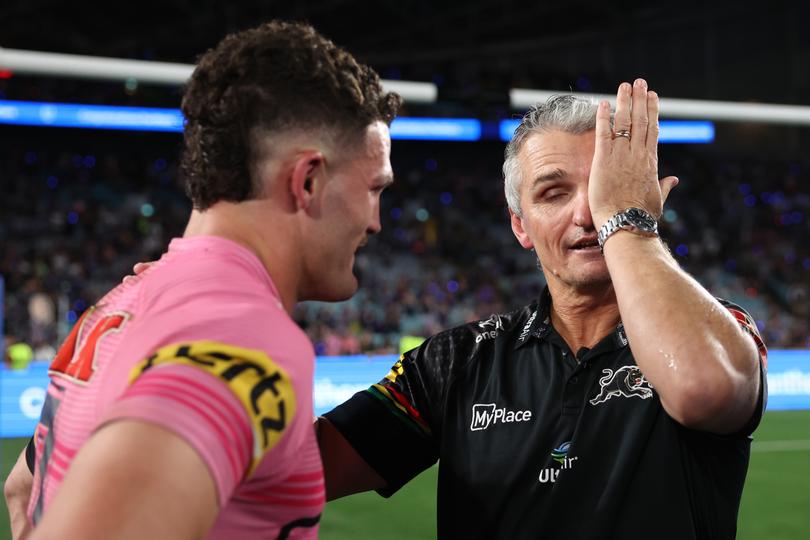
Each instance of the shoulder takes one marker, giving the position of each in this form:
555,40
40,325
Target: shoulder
748,325
742,316
233,320
209,290
462,343
200,273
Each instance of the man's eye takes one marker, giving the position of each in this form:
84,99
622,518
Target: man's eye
552,194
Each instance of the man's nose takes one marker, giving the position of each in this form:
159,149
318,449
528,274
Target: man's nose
375,225
582,211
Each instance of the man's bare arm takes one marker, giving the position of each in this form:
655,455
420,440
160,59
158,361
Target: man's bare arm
703,365
133,479
345,472
17,491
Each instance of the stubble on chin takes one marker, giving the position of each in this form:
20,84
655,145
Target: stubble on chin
576,279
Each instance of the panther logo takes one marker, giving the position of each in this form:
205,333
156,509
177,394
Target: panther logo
627,381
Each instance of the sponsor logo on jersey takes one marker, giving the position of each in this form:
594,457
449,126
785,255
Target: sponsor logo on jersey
487,414
627,381
262,387
527,327
621,335
78,355
560,455
489,328
493,322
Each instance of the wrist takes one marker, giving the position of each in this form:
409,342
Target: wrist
629,241
635,220
600,217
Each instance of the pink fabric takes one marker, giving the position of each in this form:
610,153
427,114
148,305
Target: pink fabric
202,289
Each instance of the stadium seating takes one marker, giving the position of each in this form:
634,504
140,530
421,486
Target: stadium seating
81,212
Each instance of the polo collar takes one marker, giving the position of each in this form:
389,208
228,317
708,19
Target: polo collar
538,325
539,322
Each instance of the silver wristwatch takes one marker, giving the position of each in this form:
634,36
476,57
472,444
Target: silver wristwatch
635,220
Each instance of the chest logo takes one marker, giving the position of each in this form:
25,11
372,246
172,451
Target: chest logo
560,455
486,414
627,381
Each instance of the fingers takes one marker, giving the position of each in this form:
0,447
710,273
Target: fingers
667,185
141,267
639,115
653,107
621,119
604,133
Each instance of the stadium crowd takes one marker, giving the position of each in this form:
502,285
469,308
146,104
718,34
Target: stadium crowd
78,212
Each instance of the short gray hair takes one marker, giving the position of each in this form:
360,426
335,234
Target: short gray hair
566,113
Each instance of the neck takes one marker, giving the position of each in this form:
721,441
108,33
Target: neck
583,316
237,222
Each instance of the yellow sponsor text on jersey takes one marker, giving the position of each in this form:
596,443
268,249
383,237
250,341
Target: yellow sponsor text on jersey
262,387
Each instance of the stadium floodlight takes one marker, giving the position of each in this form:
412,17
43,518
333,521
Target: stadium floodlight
436,129
73,115
93,67
26,113
672,131
144,71
729,111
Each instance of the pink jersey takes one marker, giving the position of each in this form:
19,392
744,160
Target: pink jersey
201,345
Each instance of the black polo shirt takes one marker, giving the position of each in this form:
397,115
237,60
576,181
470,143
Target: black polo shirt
534,441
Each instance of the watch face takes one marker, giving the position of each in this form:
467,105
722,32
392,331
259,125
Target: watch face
641,219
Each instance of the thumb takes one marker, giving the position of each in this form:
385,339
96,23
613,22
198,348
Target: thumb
667,185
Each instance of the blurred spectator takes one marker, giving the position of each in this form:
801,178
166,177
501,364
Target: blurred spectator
80,209
18,354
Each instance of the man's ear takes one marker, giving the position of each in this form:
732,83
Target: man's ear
307,177
519,231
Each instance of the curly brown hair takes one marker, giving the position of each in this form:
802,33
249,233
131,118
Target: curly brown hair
280,76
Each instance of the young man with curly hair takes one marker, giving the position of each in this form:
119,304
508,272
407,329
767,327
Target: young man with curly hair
180,406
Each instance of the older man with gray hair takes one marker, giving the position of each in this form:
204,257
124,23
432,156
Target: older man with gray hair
619,404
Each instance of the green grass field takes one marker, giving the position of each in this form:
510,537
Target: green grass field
775,505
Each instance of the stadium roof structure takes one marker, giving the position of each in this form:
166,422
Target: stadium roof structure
474,51
473,54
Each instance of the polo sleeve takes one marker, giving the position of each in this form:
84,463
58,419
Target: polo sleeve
749,326
395,424
231,404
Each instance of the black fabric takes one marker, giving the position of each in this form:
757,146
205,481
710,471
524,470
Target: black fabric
534,442
30,455
407,454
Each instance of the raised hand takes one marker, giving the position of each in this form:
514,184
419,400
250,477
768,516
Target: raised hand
624,172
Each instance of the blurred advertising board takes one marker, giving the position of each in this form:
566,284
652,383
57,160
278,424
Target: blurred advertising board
337,378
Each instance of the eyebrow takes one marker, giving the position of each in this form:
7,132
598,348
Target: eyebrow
554,174
386,180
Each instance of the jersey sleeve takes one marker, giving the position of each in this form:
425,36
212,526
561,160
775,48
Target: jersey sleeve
395,425
232,405
749,326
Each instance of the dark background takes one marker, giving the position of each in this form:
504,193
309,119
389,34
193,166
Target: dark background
743,205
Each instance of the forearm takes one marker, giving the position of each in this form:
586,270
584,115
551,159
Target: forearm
702,364
17,490
344,471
